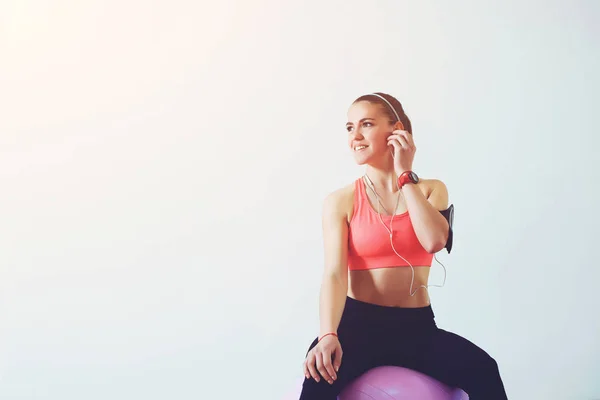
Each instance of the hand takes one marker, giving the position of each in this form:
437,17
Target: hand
321,355
404,150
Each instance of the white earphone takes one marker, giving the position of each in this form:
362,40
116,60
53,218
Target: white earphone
391,230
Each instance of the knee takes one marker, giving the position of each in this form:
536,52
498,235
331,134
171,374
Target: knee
312,389
488,365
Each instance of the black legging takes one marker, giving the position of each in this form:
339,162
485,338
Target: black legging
373,335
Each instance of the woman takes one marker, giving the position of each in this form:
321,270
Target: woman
380,235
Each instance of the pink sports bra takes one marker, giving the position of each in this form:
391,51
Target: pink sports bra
369,242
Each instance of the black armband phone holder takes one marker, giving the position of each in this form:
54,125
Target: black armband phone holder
449,215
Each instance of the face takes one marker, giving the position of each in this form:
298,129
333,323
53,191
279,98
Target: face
368,129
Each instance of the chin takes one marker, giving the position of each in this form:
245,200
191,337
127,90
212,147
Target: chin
362,161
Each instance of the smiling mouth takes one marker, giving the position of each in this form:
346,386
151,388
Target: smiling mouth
359,148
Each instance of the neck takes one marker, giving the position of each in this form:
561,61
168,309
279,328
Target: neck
384,179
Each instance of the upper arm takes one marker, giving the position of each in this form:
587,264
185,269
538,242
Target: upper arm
335,236
438,197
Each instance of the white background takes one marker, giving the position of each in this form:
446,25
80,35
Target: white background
163,167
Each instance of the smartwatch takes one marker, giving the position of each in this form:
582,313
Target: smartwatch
407,177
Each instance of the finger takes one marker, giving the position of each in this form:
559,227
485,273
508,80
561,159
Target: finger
310,362
399,140
329,367
395,144
399,132
337,358
321,368
409,138
396,136
305,370
403,141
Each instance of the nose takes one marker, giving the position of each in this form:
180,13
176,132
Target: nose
356,133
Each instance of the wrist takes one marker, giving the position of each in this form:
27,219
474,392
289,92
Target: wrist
407,177
324,335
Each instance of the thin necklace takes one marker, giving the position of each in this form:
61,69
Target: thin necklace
372,187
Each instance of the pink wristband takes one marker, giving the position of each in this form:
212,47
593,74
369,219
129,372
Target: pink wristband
330,333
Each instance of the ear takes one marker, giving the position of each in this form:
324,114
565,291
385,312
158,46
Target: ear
399,125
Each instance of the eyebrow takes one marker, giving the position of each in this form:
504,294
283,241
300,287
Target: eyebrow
364,119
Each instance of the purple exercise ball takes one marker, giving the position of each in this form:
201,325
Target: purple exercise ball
397,383
392,383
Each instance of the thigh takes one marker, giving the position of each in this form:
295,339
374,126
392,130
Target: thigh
458,362
448,355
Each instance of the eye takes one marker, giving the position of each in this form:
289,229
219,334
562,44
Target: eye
365,124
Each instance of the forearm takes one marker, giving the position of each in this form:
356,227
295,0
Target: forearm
332,300
429,224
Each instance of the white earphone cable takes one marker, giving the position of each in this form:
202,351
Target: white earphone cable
391,230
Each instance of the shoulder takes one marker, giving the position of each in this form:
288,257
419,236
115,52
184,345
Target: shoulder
340,201
436,192
434,184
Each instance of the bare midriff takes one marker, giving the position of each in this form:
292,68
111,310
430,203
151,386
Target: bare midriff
390,286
